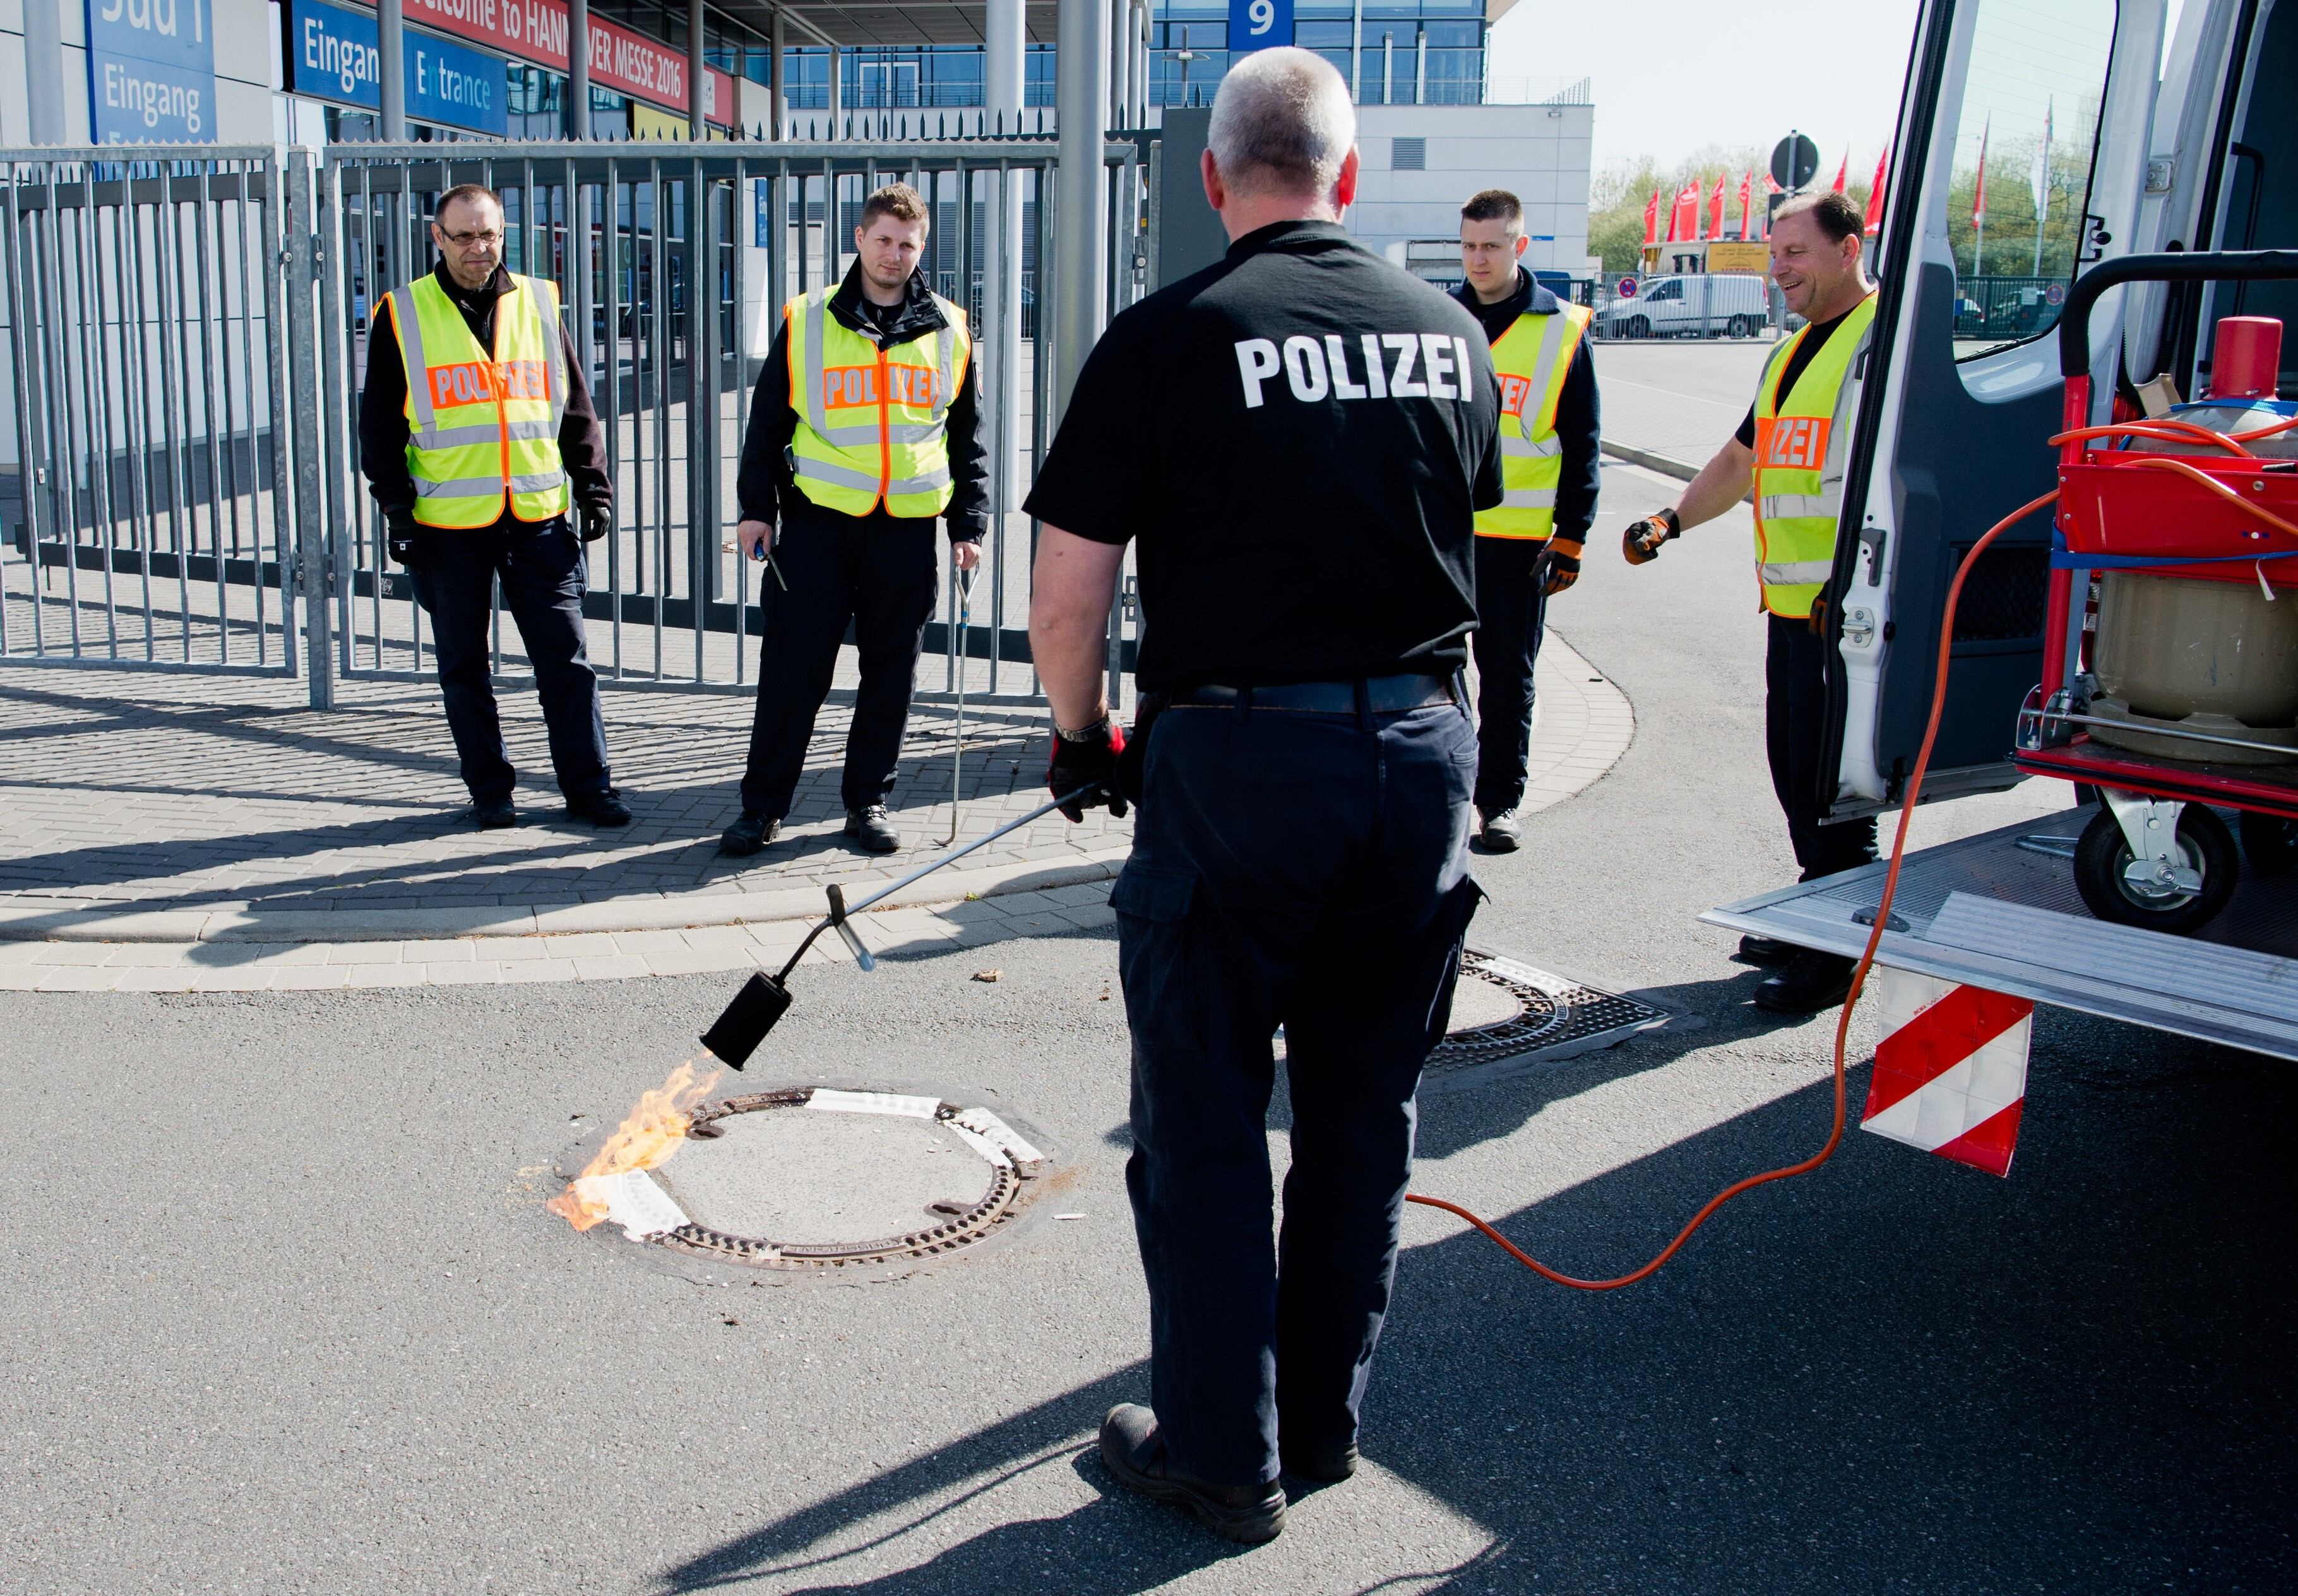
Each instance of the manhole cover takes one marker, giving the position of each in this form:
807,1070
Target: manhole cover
1505,1009
813,1178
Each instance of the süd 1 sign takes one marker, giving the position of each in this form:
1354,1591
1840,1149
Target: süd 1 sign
1627,289
151,71
1259,24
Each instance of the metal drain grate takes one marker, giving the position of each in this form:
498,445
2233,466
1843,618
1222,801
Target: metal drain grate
1012,1162
1558,1017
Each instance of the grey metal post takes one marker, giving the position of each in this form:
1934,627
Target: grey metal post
1080,72
578,71
1356,51
390,45
1001,298
313,568
1120,65
777,112
698,75
44,70
837,111
1421,69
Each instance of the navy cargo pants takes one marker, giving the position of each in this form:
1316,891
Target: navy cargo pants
1308,871
1511,616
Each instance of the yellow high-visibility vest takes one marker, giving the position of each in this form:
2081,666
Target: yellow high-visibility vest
872,423
1799,461
483,425
1532,358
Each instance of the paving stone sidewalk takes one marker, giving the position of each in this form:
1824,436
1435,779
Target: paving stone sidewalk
205,832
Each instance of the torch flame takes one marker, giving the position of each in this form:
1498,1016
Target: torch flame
648,1135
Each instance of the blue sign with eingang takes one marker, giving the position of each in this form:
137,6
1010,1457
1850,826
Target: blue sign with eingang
1259,24
151,71
332,54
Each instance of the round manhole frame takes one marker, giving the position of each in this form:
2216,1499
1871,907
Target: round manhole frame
1015,1183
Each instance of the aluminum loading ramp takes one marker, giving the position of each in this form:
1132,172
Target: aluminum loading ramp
2000,911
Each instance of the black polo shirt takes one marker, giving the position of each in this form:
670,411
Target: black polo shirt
1299,438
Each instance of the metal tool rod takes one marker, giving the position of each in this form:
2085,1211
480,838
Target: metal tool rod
1039,813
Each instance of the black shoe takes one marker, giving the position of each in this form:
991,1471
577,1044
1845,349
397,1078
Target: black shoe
602,808
1325,1465
1807,983
1503,833
1134,1453
1766,951
749,834
873,830
494,814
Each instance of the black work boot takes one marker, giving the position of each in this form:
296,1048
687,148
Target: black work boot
1806,983
873,830
1134,1453
1766,951
749,832
604,807
494,814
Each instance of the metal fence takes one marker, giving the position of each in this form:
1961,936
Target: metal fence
2007,307
145,362
187,342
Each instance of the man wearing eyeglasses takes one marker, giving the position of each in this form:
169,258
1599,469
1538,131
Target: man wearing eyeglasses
479,463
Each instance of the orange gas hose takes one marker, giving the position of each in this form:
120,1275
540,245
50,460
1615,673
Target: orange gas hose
1858,974
2165,430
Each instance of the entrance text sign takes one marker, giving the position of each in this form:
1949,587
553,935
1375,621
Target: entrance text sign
151,71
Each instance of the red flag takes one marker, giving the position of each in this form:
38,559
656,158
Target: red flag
1746,199
1875,194
1771,187
1978,184
1843,172
1683,217
1715,211
1651,221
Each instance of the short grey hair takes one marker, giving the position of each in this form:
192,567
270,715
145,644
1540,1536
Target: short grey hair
1282,123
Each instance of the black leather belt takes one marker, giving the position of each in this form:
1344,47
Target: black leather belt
1383,695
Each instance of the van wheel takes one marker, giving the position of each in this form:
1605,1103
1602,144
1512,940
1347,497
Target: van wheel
2102,859
1636,327
1741,328
2271,843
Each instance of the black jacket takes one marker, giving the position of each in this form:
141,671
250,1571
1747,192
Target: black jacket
1578,417
765,487
383,406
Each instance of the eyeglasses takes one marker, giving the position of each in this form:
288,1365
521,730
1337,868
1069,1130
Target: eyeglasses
463,240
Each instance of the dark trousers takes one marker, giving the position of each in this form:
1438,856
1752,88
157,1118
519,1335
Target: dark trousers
540,565
1795,723
878,573
1511,616
1308,871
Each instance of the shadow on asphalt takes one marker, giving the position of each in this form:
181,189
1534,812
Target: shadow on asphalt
1897,1373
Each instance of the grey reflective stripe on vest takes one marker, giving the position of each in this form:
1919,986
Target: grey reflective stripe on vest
457,437
1534,448
932,482
474,487
411,355
1780,507
817,410
805,466
1810,570
546,326
1528,498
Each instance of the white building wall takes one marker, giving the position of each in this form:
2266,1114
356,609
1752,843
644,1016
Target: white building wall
1541,154
244,52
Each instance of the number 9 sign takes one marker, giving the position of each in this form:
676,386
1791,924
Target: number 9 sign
1259,24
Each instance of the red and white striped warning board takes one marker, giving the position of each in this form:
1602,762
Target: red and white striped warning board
1951,1071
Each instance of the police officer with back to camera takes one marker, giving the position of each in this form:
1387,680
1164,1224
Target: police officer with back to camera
865,431
1791,450
1297,441
1528,547
477,438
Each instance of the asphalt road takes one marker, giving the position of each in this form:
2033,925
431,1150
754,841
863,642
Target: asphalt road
281,1311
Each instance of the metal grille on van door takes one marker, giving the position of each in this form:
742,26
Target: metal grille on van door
1408,154
2004,597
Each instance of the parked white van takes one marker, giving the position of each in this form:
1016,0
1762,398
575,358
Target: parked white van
1707,305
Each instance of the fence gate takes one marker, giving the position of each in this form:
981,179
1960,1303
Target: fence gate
187,341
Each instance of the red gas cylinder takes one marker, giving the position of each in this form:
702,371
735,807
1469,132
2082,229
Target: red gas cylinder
2246,358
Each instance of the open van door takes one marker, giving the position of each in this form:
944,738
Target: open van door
2021,159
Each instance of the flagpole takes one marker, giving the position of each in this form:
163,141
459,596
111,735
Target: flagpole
2043,188
1978,205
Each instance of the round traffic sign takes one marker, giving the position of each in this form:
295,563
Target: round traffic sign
1795,162
1628,288
2055,294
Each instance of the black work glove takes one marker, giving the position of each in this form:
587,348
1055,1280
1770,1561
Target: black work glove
1641,542
403,537
1560,564
1090,763
598,521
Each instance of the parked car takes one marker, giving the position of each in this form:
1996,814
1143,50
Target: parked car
1718,304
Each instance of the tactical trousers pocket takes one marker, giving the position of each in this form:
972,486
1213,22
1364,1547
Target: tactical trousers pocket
1451,932
1161,956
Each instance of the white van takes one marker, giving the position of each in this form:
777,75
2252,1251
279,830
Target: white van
1707,305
